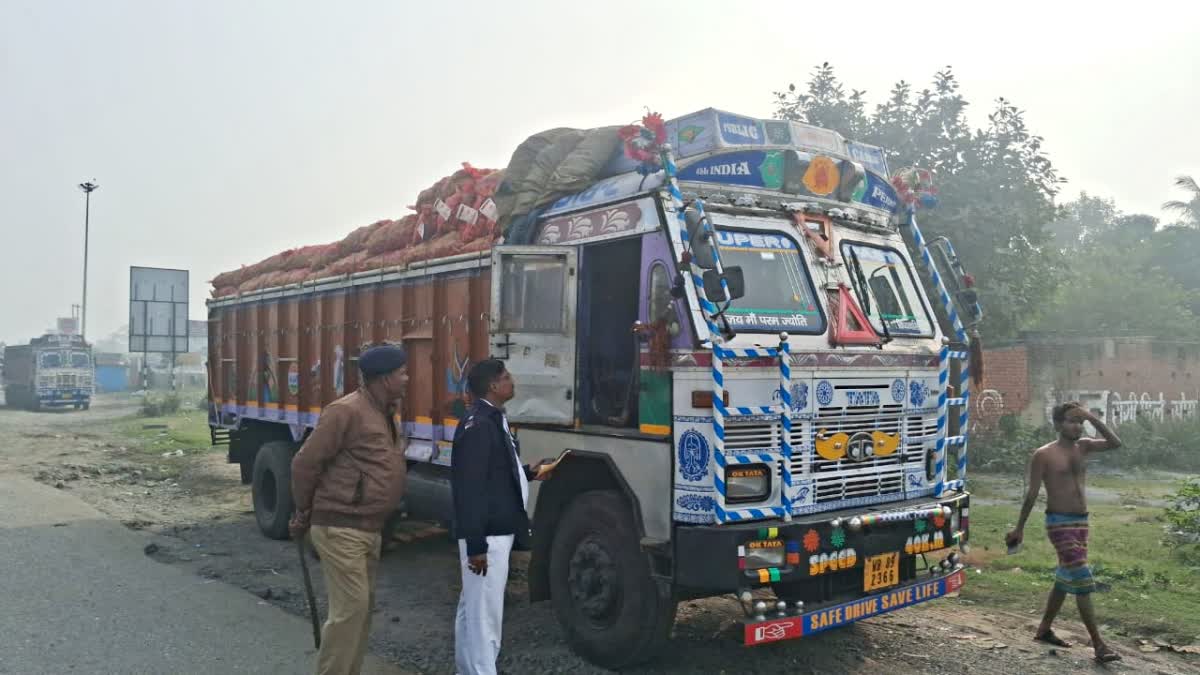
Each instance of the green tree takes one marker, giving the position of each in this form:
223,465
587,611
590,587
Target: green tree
1096,221
1189,210
825,103
1081,218
1172,252
995,183
1106,295
1123,276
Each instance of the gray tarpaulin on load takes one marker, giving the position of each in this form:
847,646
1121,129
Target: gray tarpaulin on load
547,166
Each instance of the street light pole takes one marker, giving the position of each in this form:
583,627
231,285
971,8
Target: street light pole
87,188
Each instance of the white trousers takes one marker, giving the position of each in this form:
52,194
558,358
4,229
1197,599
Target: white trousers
479,621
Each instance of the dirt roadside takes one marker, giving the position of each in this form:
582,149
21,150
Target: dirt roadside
202,518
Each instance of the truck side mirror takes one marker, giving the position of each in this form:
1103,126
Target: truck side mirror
736,282
960,284
703,253
733,279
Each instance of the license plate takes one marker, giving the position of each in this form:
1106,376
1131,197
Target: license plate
881,571
68,396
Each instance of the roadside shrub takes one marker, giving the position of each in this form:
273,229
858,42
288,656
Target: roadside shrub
1183,518
1170,446
160,405
1008,447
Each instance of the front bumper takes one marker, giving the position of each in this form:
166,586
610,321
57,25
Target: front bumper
63,397
762,630
711,558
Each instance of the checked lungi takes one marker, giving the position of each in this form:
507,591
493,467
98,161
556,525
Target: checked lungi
1068,532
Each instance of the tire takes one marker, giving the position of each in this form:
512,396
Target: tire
614,613
272,488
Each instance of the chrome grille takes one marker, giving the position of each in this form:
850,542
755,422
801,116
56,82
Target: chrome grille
838,480
920,430
834,481
753,436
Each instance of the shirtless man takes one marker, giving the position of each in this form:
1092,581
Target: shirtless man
1062,466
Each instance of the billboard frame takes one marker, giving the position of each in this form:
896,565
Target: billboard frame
147,340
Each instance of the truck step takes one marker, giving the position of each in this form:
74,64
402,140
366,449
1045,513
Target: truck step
219,436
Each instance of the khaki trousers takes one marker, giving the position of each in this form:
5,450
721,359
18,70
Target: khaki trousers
349,559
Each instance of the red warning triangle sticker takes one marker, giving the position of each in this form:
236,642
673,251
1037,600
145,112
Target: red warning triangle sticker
850,326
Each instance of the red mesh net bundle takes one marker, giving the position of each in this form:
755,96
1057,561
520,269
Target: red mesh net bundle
455,215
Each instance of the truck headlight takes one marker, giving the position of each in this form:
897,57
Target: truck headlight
747,483
768,553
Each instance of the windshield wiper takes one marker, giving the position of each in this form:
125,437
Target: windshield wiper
864,294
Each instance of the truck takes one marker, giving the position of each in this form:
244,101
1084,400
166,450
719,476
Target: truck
54,370
733,341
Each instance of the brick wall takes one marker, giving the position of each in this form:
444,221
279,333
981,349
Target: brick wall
1124,365
1023,379
1005,388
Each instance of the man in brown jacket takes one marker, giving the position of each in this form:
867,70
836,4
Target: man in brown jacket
346,480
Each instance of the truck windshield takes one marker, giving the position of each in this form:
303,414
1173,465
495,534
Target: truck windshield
891,289
79,360
779,292
50,360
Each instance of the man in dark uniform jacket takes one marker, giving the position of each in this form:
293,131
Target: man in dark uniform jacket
491,492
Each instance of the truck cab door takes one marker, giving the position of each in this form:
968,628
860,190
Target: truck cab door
534,291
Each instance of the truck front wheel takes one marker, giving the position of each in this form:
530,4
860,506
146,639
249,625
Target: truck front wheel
272,488
615,614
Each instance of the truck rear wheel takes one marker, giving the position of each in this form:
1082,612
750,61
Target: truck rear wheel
615,614
272,488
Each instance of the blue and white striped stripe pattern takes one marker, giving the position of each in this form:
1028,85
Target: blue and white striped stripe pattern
721,412
963,400
940,458
707,308
785,421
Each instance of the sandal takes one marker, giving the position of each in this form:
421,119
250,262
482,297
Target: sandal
1051,639
1107,655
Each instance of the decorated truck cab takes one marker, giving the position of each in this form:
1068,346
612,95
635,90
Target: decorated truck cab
729,330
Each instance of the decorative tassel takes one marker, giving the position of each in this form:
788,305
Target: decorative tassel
976,358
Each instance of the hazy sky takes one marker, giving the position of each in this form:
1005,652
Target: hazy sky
223,132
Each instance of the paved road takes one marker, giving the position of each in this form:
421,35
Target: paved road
79,595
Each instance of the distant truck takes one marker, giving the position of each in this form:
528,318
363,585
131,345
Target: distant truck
52,371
